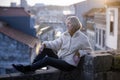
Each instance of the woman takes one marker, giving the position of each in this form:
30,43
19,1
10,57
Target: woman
72,45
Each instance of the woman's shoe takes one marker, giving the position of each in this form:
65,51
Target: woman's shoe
23,69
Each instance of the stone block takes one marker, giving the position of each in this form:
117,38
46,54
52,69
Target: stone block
116,63
97,62
71,75
94,76
113,75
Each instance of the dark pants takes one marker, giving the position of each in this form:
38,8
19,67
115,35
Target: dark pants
48,57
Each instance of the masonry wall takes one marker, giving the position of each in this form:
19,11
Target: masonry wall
12,51
94,66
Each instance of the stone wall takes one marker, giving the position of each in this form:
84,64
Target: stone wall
95,66
12,51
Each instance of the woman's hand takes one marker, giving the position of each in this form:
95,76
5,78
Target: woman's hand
42,47
76,57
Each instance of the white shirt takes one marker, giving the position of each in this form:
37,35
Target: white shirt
67,46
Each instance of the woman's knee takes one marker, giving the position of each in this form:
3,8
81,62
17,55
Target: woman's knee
46,59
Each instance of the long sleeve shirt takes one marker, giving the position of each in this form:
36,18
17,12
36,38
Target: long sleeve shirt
67,46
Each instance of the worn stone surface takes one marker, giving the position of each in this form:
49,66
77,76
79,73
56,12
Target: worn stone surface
88,69
98,62
72,75
116,63
113,75
94,76
51,74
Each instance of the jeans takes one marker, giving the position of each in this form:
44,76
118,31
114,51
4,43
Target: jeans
48,57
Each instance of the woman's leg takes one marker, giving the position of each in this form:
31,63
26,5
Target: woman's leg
57,63
39,57
46,51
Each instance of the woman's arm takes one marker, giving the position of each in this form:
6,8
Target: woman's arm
85,47
54,45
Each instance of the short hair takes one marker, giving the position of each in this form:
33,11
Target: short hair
75,22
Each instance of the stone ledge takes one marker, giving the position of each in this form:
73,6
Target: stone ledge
51,74
98,62
111,75
91,67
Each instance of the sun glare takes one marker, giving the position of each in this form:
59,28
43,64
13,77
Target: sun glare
46,2
54,2
66,12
